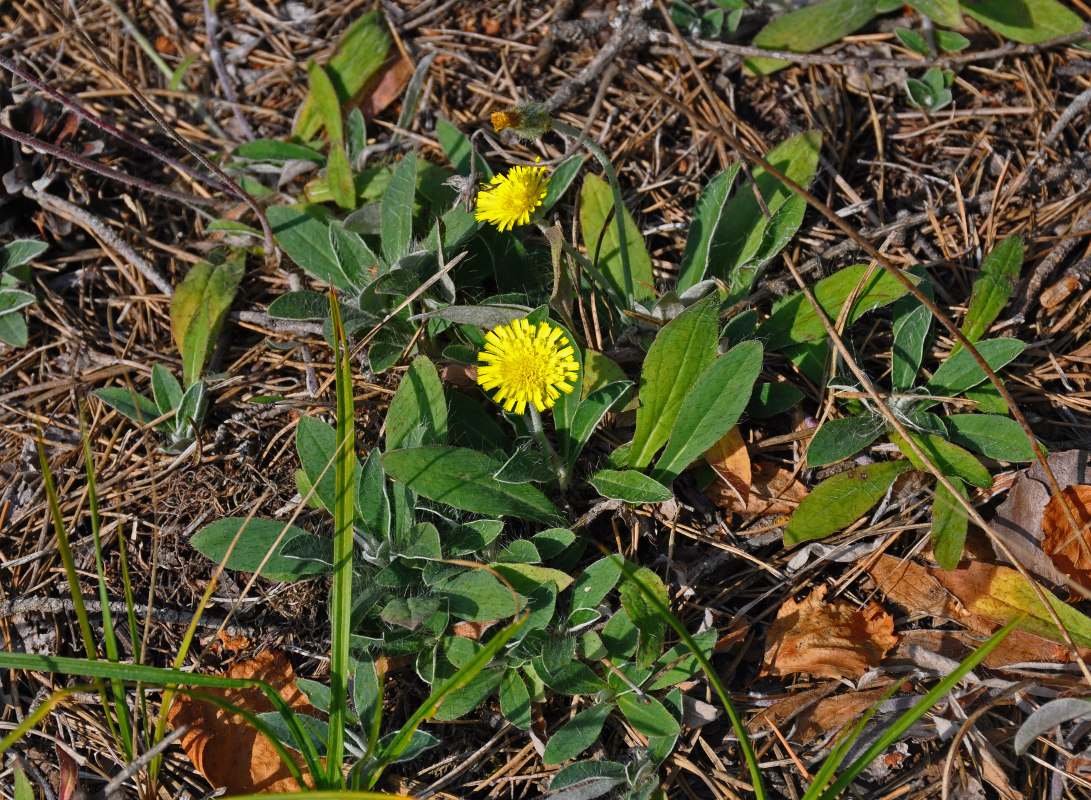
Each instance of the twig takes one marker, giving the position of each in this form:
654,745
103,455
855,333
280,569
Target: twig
212,24
58,605
110,790
104,233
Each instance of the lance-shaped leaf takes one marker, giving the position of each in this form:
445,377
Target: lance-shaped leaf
199,308
839,501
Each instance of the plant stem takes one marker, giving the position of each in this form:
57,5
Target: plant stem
534,424
619,207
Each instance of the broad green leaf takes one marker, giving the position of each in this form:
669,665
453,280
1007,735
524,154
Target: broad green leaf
596,205
911,330
23,789
191,409
711,408
949,526
951,459
794,321
577,734
457,147
276,150
360,54
525,578
570,678
15,300
464,700
396,212
20,252
135,406
960,371
620,636
744,239
515,700
841,438
418,412
472,536
166,391
914,41
594,583
560,179
257,539
306,240
564,411
476,596
809,29
409,612
681,352
589,414
316,443
13,329
553,542
645,615
471,426
1025,21
951,42
419,741
992,435
357,261
705,218
326,104
945,12
199,308
680,664
339,176
839,501
988,399
304,304
770,399
317,551
993,287
586,780
372,503
630,486
647,715
463,478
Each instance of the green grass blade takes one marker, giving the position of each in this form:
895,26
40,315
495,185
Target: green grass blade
714,679
903,723
341,592
429,707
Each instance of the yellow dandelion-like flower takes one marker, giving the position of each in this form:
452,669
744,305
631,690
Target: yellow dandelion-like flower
509,200
527,364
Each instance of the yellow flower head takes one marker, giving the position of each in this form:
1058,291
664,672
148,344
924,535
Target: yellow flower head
509,200
529,365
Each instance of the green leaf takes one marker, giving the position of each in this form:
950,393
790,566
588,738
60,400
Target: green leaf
945,12
418,743
191,410
596,205
409,612
13,330
396,213
681,352
525,578
680,664
586,780
316,443
992,435
360,54
561,178
577,734
911,330
418,412
473,536
257,539
339,176
914,41
356,260
465,699
841,438
949,526
476,596
647,715
710,206
630,486
809,29
744,239
553,542
276,150
464,479
326,104
515,700
620,636
839,501
770,399
306,240
15,300
23,789
166,391
644,614
951,42
21,251
1025,21
949,458
993,287
457,147
594,583
711,408
135,406
960,371
372,503
794,321
199,308
589,414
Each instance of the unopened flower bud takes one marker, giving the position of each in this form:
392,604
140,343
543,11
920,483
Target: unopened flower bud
529,119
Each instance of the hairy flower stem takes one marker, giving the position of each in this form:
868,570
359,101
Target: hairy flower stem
534,424
592,270
619,207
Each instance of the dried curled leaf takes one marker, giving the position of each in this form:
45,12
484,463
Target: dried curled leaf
224,747
1069,549
773,490
834,639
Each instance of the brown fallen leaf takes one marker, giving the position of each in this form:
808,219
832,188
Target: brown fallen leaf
388,88
728,457
833,713
773,490
784,711
224,747
834,639
1069,549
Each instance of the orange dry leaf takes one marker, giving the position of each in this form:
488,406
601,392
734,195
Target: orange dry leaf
392,82
773,490
728,457
1069,549
224,747
831,639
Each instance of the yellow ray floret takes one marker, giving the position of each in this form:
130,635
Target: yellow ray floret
509,200
527,364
